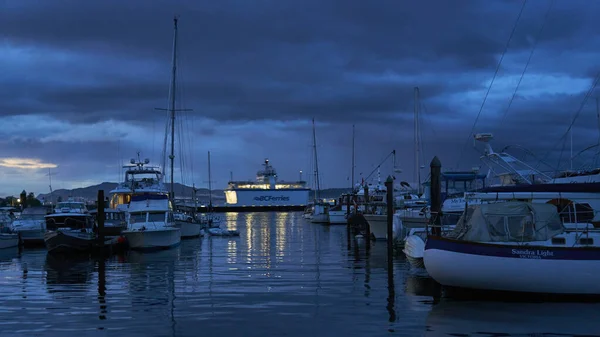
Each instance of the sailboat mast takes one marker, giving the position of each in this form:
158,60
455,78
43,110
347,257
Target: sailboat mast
316,162
352,185
417,166
172,108
209,184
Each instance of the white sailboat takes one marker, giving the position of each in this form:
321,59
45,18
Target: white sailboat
524,243
189,228
320,210
338,214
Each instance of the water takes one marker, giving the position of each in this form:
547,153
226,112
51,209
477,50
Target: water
282,277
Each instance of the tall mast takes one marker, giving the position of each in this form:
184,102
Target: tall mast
316,162
352,185
209,184
172,108
417,165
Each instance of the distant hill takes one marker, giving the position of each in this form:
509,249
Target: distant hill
91,192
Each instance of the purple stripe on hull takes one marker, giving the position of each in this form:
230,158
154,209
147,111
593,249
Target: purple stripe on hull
513,251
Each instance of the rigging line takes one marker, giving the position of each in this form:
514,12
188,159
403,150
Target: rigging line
535,42
563,139
512,33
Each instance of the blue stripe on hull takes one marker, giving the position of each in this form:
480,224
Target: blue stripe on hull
154,249
513,251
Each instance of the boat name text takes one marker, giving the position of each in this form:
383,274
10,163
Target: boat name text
532,253
271,198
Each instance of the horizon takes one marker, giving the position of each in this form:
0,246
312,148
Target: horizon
81,90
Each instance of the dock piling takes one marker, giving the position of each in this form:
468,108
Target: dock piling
100,218
389,185
436,195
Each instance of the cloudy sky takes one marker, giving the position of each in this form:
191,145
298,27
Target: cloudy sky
81,81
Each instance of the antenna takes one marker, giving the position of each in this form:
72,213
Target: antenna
50,174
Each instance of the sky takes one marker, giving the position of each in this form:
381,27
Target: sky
81,82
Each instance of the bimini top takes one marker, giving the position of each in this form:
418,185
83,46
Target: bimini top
512,221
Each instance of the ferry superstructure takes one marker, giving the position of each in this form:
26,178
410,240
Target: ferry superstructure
267,191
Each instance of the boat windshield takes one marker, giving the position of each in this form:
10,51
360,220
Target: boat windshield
32,217
71,205
138,217
156,217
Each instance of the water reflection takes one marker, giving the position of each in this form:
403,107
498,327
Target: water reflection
469,318
68,274
282,276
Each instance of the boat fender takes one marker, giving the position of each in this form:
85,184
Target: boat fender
121,240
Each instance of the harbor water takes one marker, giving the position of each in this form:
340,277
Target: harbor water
283,276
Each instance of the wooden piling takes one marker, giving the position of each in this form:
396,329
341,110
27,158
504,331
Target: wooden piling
100,216
389,185
348,232
366,188
436,195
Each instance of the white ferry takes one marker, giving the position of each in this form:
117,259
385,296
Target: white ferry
266,191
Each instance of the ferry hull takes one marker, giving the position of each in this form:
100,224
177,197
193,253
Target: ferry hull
513,268
267,198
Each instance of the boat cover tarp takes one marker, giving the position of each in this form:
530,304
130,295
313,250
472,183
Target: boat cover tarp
508,222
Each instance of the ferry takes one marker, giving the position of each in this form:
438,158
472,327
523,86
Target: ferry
266,193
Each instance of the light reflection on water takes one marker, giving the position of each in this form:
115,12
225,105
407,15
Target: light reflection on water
282,277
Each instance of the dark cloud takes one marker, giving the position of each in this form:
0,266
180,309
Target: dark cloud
256,73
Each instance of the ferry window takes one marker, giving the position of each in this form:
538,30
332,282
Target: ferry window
138,217
156,217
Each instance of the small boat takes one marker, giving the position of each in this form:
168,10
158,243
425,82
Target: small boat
69,228
218,231
31,225
66,240
189,227
515,246
150,223
338,213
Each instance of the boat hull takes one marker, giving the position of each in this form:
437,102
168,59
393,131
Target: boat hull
527,269
320,218
31,236
337,217
66,241
188,229
9,240
151,239
255,197
377,225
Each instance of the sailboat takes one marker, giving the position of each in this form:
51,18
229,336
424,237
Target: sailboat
190,228
150,221
211,220
338,213
320,212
